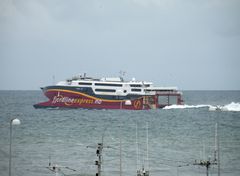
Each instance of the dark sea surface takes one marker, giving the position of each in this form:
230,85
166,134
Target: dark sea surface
177,136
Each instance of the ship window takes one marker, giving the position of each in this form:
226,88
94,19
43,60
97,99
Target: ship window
84,89
136,90
105,90
84,83
125,91
105,84
119,97
135,85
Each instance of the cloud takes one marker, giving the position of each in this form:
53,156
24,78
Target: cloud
158,3
6,8
168,35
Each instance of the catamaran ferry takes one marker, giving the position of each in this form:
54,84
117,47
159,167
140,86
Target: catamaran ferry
109,93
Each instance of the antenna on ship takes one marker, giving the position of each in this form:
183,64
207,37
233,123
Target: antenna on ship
122,74
53,79
216,161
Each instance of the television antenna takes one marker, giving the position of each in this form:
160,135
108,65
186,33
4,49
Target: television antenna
57,169
216,160
143,171
99,154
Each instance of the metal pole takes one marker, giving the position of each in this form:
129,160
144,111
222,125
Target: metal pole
218,154
120,154
207,169
10,149
99,166
99,162
137,152
12,122
147,167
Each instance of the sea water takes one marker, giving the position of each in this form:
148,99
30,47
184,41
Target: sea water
177,137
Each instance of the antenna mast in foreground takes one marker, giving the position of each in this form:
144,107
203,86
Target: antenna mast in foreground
98,163
216,160
120,151
143,171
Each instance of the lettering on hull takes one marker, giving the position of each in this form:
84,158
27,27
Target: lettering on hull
70,101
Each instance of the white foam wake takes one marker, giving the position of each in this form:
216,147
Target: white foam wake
185,106
232,107
229,107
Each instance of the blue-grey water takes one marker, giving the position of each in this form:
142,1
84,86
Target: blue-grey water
176,137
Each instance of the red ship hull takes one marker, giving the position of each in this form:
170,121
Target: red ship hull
73,99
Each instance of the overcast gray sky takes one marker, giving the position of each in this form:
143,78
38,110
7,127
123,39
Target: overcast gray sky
192,44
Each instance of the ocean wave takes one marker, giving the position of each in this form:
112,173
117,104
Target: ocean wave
229,107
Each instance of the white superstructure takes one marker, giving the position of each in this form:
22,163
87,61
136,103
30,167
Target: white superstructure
116,86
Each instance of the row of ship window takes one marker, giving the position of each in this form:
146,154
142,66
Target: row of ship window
112,90
112,85
87,89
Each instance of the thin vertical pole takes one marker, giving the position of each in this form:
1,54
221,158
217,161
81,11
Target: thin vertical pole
10,149
147,148
204,150
207,170
137,145
218,154
100,159
215,148
120,152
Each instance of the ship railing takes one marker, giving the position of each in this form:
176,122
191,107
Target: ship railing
168,93
163,92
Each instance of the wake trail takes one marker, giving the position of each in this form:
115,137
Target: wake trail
229,107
